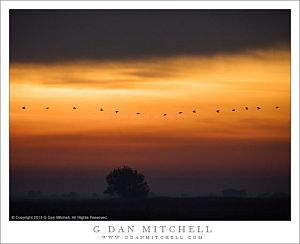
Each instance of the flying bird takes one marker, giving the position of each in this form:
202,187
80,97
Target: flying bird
138,113
194,111
47,107
180,112
246,108
101,109
116,111
165,114
258,108
74,108
276,107
233,110
23,107
218,111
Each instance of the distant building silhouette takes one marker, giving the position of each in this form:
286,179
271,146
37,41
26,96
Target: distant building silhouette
234,193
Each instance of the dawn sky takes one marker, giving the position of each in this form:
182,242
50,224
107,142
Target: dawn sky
152,63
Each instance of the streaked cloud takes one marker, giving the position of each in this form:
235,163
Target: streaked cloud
182,71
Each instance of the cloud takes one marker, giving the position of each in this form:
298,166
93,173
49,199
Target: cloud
64,35
93,74
253,69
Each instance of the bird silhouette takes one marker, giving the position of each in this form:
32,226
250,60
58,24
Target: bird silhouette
47,107
138,113
194,111
116,111
74,108
218,111
165,114
23,107
246,108
233,110
276,107
258,108
180,112
101,109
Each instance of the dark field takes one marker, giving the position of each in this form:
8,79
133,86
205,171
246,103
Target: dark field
160,208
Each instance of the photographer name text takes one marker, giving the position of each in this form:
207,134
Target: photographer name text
152,229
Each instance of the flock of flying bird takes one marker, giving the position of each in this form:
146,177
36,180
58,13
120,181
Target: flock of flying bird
180,112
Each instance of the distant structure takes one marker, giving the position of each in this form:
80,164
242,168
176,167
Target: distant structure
234,193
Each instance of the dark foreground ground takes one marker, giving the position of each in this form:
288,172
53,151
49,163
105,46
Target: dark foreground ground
163,208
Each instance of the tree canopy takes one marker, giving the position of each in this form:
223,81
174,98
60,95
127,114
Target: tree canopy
127,183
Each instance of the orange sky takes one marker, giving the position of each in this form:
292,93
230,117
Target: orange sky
52,138
153,87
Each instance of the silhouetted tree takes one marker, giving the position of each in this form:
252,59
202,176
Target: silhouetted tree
126,182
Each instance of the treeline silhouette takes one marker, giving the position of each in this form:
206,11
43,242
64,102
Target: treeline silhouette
130,198
159,208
